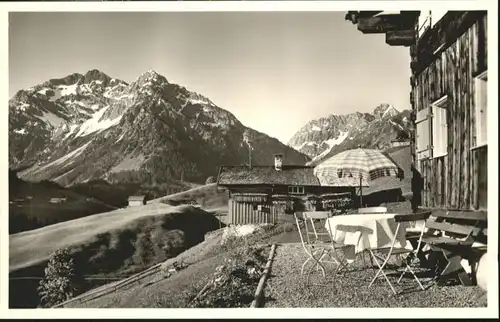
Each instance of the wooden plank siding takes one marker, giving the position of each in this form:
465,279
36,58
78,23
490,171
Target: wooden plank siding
244,213
457,180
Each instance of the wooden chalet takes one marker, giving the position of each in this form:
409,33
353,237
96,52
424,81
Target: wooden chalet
57,200
448,99
134,201
258,194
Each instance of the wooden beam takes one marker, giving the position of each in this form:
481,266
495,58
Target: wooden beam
354,16
385,23
401,37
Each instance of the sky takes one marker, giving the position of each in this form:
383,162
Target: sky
275,71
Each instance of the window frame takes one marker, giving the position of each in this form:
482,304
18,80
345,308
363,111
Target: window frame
441,103
478,81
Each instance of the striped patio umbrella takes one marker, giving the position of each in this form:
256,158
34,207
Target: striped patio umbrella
356,167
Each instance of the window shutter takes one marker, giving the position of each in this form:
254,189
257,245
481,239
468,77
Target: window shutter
422,137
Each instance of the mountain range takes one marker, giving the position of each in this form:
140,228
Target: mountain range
90,126
326,136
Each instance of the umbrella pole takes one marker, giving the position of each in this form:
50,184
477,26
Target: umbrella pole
360,191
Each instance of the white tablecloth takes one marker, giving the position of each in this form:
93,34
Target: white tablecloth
378,231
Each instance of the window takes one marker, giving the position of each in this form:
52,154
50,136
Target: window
480,103
433,121
439,128
296,190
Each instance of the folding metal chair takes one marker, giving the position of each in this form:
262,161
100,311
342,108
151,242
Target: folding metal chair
413,235
398,251
316,248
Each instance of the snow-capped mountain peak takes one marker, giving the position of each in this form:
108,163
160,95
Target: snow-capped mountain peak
151,76
89,126
385,110
324,137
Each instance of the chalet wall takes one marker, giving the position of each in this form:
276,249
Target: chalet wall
457,180
244,213
135,203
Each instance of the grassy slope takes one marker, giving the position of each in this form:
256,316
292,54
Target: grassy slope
32,247
109,245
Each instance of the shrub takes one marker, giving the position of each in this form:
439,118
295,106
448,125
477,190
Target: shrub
210,180
172,242
143,250
62,281
235,282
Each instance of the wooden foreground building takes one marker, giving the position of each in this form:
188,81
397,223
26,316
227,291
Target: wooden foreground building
258,194
448,99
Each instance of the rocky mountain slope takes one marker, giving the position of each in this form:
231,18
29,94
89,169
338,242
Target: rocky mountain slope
327,136
91,126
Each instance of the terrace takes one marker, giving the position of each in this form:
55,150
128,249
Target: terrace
286,287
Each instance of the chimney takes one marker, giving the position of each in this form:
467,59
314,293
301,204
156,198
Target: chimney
278,161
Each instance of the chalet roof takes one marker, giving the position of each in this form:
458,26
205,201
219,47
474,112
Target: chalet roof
141,198
267,175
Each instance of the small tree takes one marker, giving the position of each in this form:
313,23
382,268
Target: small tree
61,281
210,180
